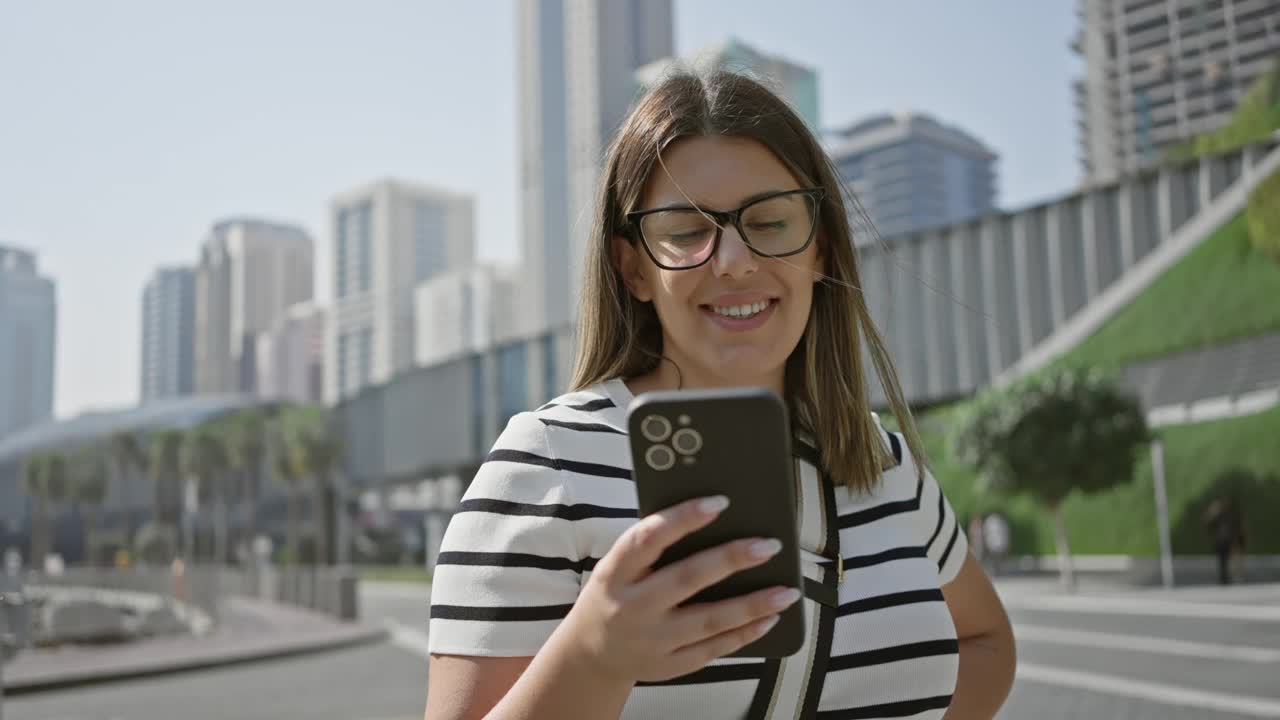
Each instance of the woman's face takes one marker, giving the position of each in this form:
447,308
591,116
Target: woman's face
735,319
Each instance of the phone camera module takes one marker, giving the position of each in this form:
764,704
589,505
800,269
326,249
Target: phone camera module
687,441
660,457
655,428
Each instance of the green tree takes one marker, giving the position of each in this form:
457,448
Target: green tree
45,479
204,457
285,473
164,464
1052,433
246,451
315,452
92,473
32,485
129,461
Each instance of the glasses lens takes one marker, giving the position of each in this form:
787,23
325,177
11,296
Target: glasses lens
780,224
678,238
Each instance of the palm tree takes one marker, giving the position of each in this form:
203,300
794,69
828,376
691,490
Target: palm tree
89,487
314,452
164,462
204,457
129,460
33,485
45,479
283,468
246,449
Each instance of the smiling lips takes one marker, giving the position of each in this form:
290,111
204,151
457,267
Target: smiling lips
740,311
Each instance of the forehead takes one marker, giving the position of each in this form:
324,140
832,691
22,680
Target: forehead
715,172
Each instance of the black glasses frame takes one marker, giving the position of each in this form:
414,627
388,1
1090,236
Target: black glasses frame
729,217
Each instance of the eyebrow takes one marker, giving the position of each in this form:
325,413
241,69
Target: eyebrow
745,201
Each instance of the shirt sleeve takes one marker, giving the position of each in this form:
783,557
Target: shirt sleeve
509,567
943,539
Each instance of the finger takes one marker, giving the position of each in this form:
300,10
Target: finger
679,581
707,620
643,543
696,656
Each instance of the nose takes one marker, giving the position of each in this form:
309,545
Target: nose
733,259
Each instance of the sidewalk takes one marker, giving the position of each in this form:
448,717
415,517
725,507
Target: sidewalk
250,629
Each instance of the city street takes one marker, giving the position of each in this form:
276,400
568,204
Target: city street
1193,654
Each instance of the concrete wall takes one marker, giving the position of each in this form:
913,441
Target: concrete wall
962,304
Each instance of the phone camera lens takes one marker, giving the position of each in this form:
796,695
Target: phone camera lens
660,457
655,428
687,441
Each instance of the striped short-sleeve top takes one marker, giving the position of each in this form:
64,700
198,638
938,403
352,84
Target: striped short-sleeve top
556,491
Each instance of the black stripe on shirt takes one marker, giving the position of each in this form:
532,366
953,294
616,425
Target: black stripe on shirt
589,406
581,427
500,614
731,672
941,516
583,468
516,560
884,510
763,696
880,602
955,533
581,511
865,561
896,445
905,708
896,653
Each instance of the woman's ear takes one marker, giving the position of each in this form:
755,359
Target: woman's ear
629,264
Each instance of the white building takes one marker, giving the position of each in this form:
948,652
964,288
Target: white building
1158,72
28,323
388,238
464,311
250,271
291,356
797,84
168,334
576,65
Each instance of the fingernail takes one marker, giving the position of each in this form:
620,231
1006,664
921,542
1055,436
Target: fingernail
784,598
713,505
766,625
765,548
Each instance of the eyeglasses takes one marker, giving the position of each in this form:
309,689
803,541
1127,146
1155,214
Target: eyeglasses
774,225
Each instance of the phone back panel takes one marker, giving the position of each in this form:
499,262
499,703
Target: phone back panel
734,442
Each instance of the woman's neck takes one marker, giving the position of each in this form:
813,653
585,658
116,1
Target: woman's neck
667,377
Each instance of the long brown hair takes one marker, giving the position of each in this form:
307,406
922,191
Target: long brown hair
619,336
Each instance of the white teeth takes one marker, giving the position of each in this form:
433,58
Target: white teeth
740,311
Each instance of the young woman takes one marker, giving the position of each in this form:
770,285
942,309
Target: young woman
722,256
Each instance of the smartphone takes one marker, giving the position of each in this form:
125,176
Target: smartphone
734,442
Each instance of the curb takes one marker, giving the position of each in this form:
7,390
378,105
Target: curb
361,635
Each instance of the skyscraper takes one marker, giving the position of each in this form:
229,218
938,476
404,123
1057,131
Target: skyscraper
910,172
1158,72
463,311
577,61
28,323
797,84
388,238
290,356
168,334
250,271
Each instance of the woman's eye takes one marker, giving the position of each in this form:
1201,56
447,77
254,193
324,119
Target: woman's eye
767,226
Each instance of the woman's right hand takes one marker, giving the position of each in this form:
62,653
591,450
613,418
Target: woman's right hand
627,622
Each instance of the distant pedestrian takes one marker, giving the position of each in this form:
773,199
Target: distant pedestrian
1226,532
995,540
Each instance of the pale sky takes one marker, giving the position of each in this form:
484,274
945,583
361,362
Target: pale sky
128,127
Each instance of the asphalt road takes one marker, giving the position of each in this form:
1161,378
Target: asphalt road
1199,655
